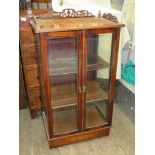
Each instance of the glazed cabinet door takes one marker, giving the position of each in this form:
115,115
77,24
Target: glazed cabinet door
62,67
99,77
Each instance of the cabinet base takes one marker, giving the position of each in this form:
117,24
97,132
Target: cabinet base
76,137
59,141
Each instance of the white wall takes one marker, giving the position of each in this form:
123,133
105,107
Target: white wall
128,9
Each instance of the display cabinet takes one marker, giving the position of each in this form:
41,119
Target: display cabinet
77,99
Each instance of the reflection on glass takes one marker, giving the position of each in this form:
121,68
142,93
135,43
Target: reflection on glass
99,52
62,61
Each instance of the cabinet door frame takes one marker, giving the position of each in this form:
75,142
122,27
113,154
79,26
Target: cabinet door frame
112,77
46,82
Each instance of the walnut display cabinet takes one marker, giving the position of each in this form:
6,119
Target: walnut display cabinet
77,76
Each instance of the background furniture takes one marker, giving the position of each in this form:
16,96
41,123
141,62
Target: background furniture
38,2
77,105
22,93
29,59
22,4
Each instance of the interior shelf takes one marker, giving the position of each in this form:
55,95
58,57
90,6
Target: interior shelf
65,119
94,117
63,66
66,94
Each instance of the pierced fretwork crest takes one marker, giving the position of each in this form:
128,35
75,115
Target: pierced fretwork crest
108,16
67,13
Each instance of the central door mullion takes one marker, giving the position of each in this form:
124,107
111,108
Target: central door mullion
80,49
84,77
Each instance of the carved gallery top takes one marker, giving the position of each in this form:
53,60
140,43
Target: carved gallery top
70,19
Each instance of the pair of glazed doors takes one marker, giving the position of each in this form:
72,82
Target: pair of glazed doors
78,70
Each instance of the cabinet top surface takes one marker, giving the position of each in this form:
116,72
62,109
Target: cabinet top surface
67,24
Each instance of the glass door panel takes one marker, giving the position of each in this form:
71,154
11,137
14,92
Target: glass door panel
63,75
97,84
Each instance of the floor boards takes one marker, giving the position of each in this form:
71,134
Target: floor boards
120,142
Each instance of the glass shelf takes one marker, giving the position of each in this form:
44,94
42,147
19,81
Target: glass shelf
64,95
67,114
67,66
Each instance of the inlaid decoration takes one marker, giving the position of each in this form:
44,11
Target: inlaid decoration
69,19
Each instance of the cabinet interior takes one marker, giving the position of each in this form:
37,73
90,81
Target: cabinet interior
63,75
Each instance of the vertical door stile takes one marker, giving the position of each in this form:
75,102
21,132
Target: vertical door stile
43,40
113,68
84,78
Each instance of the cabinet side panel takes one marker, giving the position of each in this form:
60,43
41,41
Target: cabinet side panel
114,57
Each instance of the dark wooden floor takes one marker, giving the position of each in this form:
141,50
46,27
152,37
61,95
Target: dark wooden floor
120,142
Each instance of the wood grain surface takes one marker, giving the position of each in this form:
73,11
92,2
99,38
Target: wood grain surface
66,24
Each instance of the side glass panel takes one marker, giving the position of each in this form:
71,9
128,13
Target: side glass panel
97,84
63,74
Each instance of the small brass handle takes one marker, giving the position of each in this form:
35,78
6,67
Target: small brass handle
84,89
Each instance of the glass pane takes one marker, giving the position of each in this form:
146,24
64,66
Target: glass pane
63,67
97,85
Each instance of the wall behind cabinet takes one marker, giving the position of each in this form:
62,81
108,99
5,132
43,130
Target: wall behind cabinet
128,10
